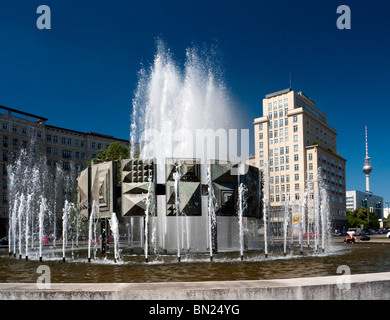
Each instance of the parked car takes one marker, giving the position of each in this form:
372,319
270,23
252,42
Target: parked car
388,234
356,231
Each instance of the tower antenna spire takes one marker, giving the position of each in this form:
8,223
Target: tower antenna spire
366,143
367,168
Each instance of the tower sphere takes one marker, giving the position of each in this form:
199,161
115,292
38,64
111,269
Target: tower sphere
367,168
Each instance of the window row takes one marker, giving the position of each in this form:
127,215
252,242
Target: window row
277,104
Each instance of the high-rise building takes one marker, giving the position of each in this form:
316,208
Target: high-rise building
67,148
294,144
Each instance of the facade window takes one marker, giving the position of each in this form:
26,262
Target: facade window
275,104
63,140
55,151
296,167
295,148
286,131
69,141
66,154
287,150
286,102
5,156
310,156
93,145
280,122
261,145
48,150
280,103
295,157
295,128
24,131
296,177
295,118
48,137
310,166
14,128
260,137
5,126
5,142
261,154
55,139
295,138
15,143
269,106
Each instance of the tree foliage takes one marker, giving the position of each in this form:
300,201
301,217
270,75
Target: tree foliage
115,151
362,216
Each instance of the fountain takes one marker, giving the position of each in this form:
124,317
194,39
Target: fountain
187,195
115,229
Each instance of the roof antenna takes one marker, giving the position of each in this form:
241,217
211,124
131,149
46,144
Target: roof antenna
290,77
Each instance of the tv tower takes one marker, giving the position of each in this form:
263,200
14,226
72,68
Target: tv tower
367,168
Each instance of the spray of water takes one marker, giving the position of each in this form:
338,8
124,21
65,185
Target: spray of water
114,225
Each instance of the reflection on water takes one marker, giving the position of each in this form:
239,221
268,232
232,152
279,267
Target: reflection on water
361,258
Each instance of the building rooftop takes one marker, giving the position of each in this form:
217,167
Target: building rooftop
23,113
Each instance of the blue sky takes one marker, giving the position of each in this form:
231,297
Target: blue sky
86,65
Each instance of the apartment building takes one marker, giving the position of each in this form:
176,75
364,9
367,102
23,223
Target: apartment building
62,147
294,144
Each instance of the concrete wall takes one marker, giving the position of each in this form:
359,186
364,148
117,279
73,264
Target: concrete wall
375,286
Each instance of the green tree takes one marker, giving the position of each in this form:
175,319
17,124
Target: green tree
362,216
115,151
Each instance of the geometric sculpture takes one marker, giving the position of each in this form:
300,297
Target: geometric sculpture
226,185
136,174
83,193
103,186
189,187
